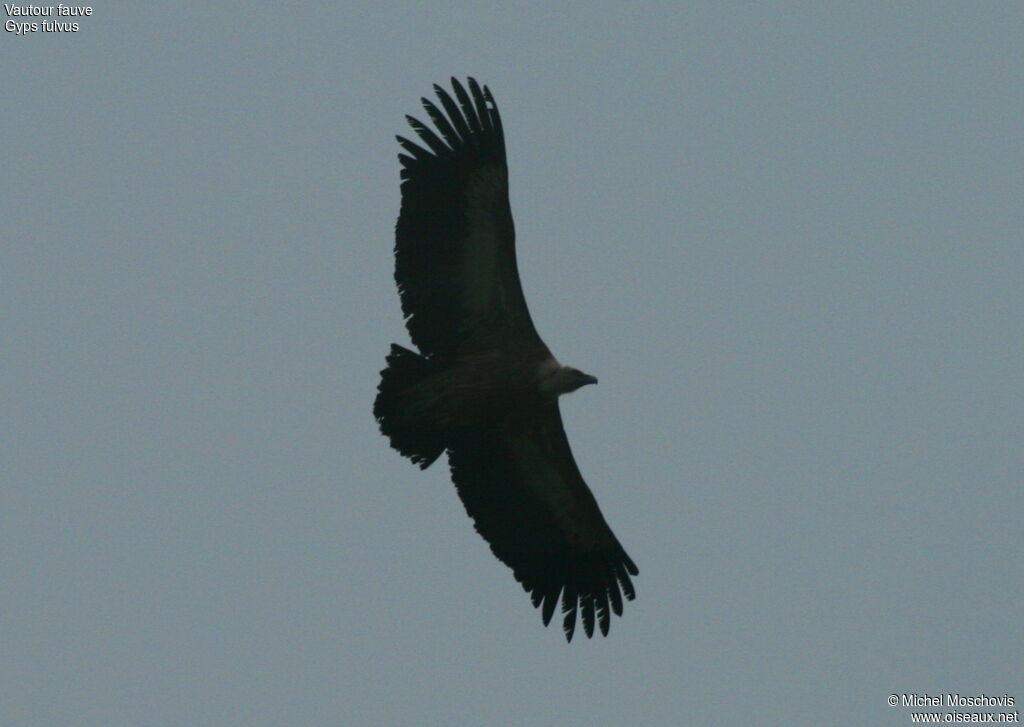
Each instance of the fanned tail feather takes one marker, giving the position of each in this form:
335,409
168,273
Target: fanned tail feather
405,369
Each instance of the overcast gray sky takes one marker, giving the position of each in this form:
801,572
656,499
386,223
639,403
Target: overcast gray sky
786,238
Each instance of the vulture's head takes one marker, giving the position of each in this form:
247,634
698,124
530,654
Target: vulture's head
556,379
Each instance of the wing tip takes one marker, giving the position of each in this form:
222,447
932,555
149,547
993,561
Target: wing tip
470,125
593,602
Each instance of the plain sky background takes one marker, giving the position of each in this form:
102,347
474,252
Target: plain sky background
786,237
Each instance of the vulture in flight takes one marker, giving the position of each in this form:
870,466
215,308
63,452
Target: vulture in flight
483,386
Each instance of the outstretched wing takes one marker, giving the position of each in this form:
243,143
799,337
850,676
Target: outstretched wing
528,500
455,258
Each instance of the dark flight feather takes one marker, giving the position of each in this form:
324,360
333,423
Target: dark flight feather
547,555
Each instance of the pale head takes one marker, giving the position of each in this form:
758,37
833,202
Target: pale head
556,379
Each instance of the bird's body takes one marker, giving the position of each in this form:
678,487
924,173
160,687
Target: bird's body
484,387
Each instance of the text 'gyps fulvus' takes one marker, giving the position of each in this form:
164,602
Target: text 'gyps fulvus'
484,386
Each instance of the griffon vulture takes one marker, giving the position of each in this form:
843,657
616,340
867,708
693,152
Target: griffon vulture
484,386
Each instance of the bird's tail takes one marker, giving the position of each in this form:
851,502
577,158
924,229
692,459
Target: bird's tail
405,369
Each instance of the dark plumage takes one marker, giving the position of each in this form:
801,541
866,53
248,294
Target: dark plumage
483,385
